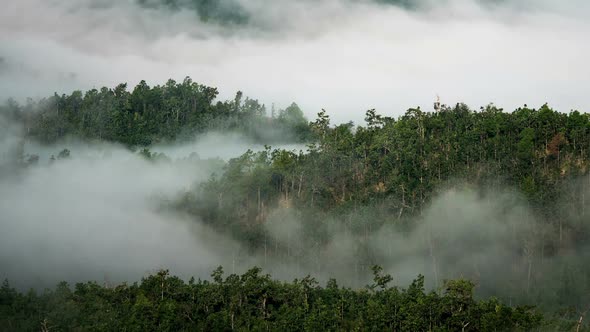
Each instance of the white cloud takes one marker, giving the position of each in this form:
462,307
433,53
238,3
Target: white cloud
340,55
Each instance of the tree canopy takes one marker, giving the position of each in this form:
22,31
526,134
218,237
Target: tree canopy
362,181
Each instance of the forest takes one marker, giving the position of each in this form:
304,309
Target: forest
483,213
149,115
255,302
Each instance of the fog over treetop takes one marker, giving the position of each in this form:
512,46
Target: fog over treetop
344,56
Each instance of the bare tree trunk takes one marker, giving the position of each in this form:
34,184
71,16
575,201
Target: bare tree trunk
560,233
464,326
44,326
584,203
528,254
258,205
265,249
528,279
433,257
299,189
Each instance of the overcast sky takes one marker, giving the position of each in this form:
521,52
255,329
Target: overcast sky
342,55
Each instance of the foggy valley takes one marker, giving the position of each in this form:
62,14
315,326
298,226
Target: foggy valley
256,165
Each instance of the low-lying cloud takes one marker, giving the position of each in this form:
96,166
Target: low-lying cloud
342,55
103,214
89,218
97,213
100,213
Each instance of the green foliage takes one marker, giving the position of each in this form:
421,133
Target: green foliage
409,160
353,178
254,301
148,115
359,179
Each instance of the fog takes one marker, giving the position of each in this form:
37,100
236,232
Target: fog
94,216
342,55
491,237
99,214
208,146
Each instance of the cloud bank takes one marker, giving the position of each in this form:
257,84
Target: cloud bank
103,214
95,213
342,55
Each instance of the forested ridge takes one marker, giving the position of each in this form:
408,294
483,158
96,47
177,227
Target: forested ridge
384,178
254,302
424,180
148,115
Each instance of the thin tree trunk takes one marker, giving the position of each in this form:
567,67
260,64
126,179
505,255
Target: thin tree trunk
433,257
528,280
258,205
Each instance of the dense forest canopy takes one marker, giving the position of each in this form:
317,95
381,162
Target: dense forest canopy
456,194
149,115
521,178
254,301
